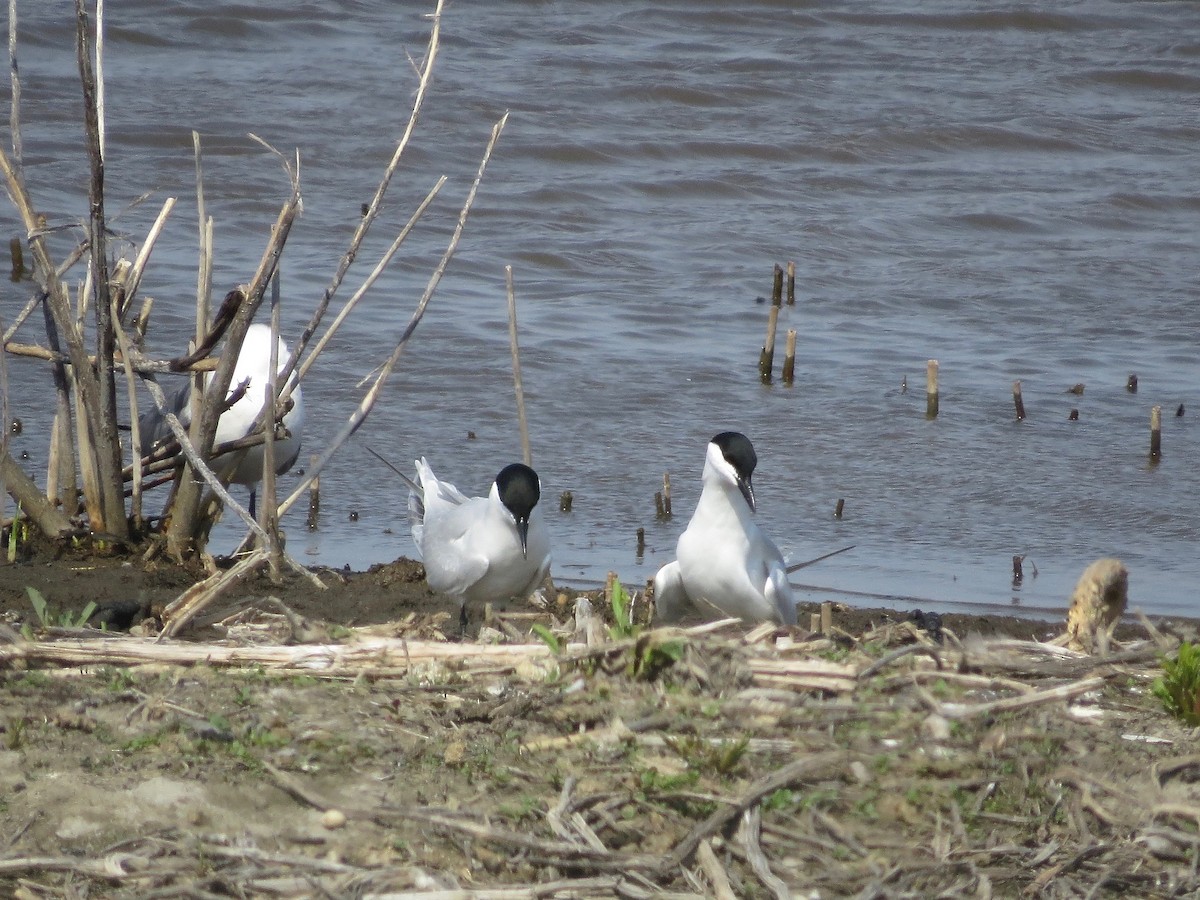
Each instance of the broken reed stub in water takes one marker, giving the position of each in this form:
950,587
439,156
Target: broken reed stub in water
666,493
837,510
1131,383
1156,434
1018,402
777,286
931,389
314,496
658,506
565,501
789,358
766,360
1073,416
1018,571
791,273
641,542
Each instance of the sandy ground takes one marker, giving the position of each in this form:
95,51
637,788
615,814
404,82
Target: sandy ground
874,761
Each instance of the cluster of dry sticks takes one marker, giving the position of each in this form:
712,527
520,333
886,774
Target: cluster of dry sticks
89,443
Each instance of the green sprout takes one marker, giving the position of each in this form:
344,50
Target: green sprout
1179,686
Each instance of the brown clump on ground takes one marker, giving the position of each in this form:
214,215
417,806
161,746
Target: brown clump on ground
1097,604
309,743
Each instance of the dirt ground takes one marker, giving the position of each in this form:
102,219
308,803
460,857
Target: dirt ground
347,742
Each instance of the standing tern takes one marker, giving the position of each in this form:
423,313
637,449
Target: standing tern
253,367
723,560
480,548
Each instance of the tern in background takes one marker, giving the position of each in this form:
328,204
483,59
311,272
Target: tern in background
253,366
480,548
723,560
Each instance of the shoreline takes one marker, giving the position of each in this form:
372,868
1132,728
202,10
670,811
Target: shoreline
389,592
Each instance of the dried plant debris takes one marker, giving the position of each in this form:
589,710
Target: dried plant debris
298,757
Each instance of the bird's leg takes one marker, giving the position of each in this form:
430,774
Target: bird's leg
462,618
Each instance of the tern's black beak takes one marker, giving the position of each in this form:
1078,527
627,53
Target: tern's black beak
523,534
747,491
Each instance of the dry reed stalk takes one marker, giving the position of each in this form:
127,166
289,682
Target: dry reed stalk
1018,402
791,283
1156,434
363,655
805,674
48,518
14,80
187,511
714,871
766,358
105,501
931,389
128,286
368,282
368,402
268,512
364,224
96,391
205,246
1067,691
522,421
789,357
135,434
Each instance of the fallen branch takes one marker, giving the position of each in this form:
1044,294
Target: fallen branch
821,766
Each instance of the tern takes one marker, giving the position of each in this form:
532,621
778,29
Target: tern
480,549
252,369
723,561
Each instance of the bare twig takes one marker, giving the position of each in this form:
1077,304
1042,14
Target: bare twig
522,421
749,833
373,208
1050,695
819,766
368,402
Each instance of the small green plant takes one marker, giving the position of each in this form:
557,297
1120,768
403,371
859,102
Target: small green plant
548,637
653,781
783,799
17,534
624,626
1179,686
65,619
700,755
15,733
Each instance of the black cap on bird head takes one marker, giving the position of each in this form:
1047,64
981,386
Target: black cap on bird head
519,490
739,453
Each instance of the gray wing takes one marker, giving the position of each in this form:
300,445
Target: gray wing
152,424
